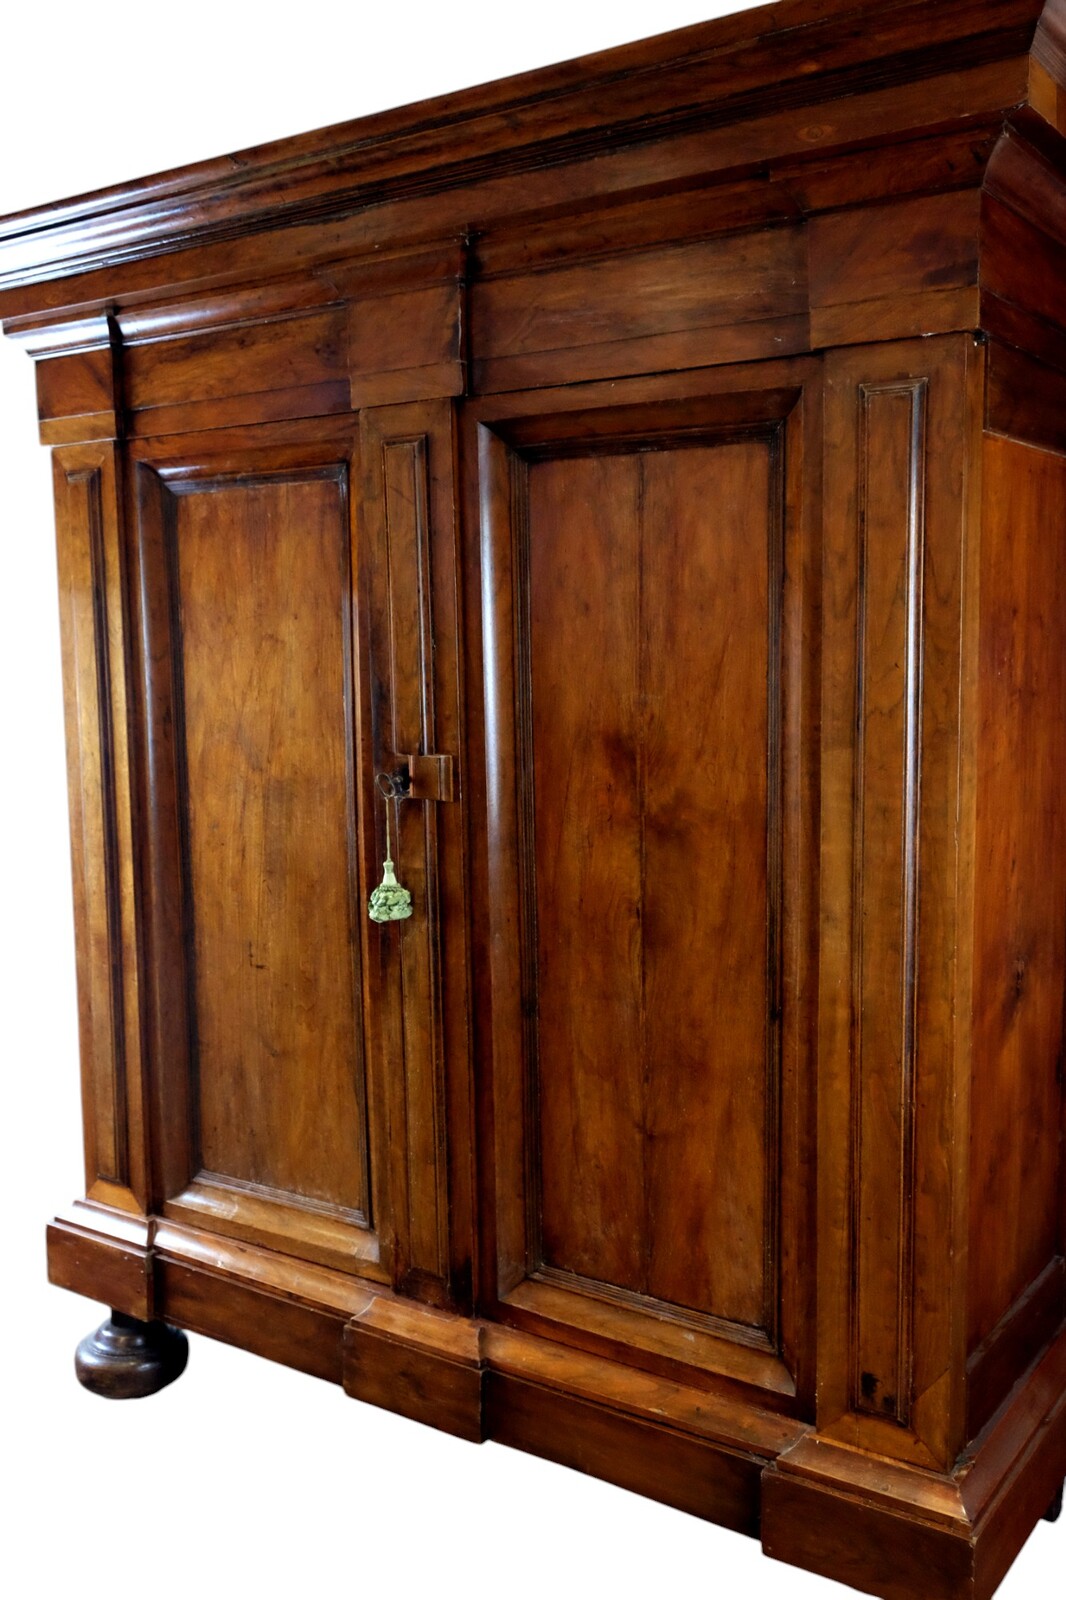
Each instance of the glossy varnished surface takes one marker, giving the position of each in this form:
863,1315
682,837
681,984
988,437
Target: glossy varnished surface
651,630
263,603
658,461
1020,927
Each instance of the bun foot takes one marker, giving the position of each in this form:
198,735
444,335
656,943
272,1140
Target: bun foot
1054,1510
126,1359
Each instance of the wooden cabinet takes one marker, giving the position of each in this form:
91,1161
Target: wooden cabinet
633,499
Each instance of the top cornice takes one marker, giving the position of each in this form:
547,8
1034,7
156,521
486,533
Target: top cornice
750,65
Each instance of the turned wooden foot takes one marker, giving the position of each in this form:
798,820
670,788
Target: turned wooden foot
1054,1510
126,1359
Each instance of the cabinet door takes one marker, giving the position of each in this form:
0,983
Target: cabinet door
273,998
650,677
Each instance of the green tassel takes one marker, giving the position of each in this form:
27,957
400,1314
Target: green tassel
390,902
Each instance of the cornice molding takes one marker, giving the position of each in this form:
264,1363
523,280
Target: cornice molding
777,58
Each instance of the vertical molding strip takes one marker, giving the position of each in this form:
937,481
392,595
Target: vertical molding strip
412,722
777,533
887,806
96,846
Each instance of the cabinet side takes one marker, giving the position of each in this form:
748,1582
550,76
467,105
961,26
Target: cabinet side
1017,1276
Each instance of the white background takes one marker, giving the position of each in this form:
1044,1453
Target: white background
244,1478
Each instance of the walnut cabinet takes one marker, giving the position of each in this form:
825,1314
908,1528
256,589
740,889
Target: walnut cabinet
650,473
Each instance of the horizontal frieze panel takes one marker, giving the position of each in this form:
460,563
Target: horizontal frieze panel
250,358
745,278
428,323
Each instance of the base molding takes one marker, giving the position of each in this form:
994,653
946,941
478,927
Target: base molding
897,1532
844,1534
425,1364
885,1528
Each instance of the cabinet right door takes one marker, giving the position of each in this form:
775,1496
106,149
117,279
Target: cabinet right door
650,670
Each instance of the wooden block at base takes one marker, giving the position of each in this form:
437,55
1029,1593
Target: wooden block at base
847,1539
114,1271
424,1364
904,1534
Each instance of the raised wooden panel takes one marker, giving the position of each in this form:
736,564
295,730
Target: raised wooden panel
83,594
897,776
640,621
656,1070
1025,400
1020,926
261,571
76,396
93,632
407,333
253,864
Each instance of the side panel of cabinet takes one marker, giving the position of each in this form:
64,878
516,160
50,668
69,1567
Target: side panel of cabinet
650,658
91,563
902,482
1017,1272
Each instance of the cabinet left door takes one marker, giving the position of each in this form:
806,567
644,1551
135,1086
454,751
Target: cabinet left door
254,770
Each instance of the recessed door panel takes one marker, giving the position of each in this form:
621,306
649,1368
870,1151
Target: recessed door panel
648,594
650,621
263,607
256,777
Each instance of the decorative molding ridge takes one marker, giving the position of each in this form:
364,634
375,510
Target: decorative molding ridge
734,69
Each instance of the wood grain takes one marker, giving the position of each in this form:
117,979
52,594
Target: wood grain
407,584
94,637
1020,933
892,565
651,634
898,769
667,752
655,464
267,767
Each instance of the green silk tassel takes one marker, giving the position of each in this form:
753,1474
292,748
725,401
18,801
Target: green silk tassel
390,901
